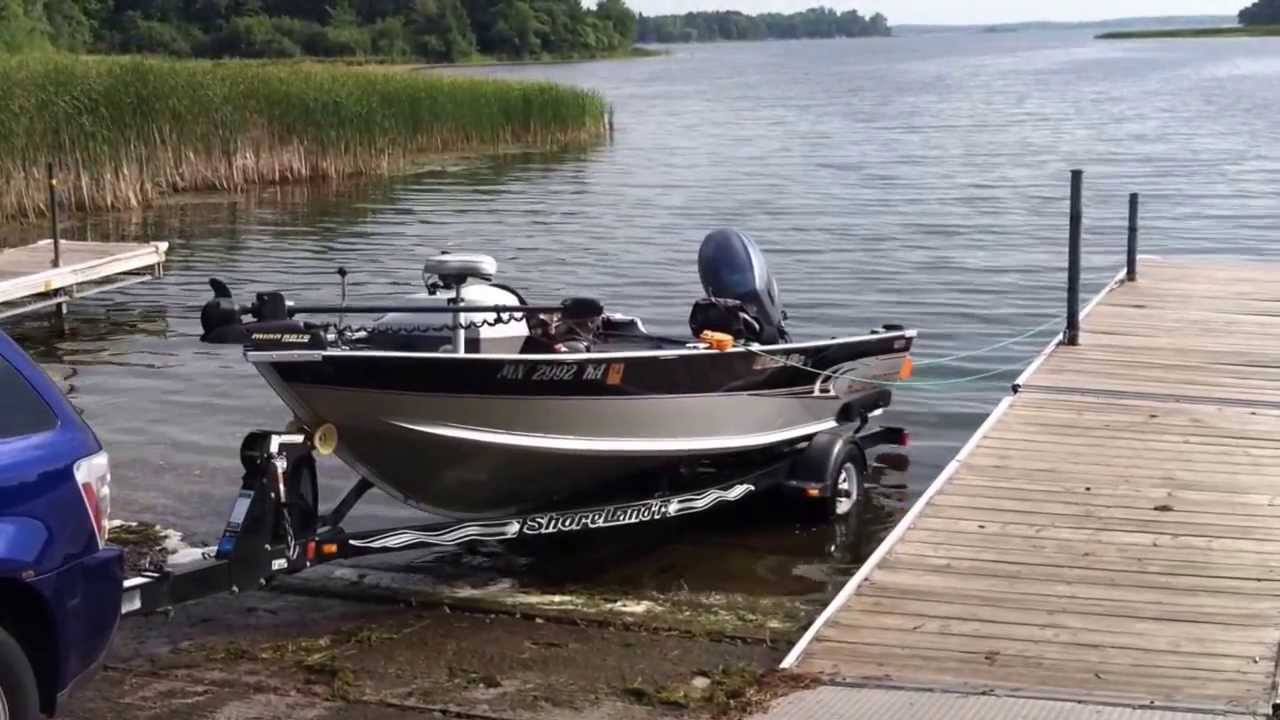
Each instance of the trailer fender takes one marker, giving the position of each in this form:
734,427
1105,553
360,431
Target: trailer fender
821,461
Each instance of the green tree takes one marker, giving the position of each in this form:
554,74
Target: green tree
879,25
253,37
73,24
441,31
140,35
438,30
617,14
1262,12
389,37
22,26
517,29
815,22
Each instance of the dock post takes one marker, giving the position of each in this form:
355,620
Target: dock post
1072,334
53,215
1131,256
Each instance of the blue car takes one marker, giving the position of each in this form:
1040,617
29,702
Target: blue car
60,584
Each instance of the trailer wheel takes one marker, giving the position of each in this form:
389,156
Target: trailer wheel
19,696
847,486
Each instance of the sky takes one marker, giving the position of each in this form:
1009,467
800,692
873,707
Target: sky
961,12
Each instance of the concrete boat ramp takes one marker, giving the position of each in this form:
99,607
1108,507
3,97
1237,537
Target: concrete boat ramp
1106,546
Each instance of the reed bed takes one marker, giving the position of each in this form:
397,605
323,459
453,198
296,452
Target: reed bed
126,131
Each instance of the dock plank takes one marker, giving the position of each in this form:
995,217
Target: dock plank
29,270
1114,535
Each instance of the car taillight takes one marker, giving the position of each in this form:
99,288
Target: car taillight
94,475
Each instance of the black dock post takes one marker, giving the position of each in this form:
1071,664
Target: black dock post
1072,334
53,215
59,310
1131,257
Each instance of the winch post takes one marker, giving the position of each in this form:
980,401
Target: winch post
251,540
246,555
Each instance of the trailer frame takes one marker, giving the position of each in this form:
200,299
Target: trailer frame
275,527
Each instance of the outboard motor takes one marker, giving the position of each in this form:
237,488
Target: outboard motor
742,297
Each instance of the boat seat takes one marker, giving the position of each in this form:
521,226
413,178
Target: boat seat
581,308
457,269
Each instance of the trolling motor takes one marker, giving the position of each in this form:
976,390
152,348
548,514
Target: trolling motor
220,318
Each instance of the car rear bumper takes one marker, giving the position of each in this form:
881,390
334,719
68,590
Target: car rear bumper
84,603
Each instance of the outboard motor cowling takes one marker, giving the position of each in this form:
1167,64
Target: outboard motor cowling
731,267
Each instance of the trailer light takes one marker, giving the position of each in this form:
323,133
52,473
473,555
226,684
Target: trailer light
908,369
329,549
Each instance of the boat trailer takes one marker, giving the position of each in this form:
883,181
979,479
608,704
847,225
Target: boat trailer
275,527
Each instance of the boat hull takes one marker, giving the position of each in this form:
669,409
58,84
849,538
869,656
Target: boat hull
482,436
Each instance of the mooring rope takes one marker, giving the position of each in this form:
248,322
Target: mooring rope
886,383
1003,343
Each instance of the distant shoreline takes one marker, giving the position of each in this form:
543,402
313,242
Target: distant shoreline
1236,31
1111,25
483,61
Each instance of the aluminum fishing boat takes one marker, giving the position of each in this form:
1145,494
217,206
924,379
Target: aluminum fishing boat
468,402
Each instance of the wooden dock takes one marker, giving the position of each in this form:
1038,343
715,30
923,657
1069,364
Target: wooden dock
29,279
1111,534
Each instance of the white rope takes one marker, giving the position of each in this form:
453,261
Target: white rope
997,346
886,383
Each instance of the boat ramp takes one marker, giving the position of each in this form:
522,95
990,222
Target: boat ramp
1106,545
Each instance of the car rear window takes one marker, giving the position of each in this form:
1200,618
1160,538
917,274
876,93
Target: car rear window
22,411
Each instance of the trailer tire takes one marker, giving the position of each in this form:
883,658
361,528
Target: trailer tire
19,694
847,486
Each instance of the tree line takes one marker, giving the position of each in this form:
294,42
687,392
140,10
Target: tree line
816,22
432,30
1262,12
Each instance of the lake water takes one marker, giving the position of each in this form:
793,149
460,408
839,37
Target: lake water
918,180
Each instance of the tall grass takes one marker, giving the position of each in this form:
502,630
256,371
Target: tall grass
126,131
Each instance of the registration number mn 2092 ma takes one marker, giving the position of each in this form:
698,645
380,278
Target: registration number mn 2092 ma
610,373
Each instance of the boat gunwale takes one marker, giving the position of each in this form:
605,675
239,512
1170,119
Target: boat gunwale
255,356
